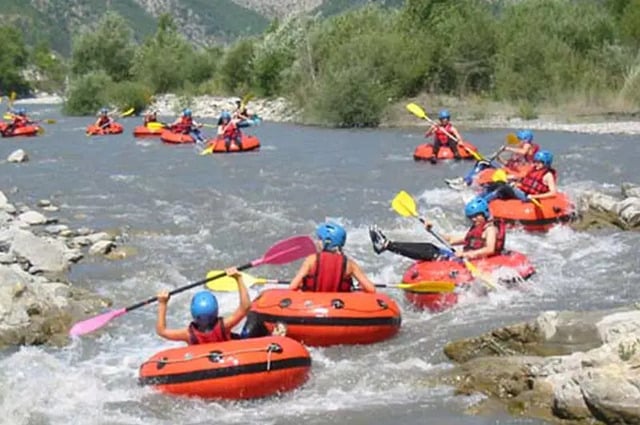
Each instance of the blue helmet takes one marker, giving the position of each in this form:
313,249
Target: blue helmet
525,135
225,115
477,206
332,235
545,157
22,112
204,307
104,111
186,112
444,115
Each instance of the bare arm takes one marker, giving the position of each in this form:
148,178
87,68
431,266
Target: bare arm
245,302
550,181
491,235
304,269
431,130
456,134
161,322
363,280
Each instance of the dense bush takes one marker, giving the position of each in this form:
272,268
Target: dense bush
13,60
88,94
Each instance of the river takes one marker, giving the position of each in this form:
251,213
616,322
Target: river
186,214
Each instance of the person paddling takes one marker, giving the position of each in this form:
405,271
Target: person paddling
330,270
228,129
206,326
19,120
241,112
149,117
524,152
104,120
442,133
185,124
486,237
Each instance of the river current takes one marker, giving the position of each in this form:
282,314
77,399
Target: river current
186,214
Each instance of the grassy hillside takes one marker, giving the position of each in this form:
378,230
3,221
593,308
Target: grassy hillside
334,7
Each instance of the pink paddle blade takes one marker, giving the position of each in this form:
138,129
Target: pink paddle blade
287,250
90,325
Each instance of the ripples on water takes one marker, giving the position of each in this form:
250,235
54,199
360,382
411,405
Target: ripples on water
187,214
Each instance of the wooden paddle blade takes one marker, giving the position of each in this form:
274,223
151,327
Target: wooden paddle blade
512,139
404,204
288,250
416,110
428,286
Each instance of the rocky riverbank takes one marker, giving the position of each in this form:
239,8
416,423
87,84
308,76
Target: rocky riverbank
580,367
38,304
598,209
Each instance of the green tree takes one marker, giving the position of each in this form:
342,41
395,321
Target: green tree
88,94
13,60
51,67
163,60
630,23
235,69
109,48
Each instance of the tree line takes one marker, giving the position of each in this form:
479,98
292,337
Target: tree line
346,70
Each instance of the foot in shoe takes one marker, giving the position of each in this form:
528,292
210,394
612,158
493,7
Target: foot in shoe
433,160
378,239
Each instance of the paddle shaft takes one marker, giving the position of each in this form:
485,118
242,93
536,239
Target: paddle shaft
186,287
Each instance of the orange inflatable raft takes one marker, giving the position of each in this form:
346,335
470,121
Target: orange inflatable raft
425,151
516,171
329,318
113,128
217,145
236,369
144,131
168,136
552,211
27,130
455,272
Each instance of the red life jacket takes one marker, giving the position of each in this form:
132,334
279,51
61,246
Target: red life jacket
532,151
231,130
474,239
184,126
533,183
103,121
217,334
328,274
20,121
150,118
440,134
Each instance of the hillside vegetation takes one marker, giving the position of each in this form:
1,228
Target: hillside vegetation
347,69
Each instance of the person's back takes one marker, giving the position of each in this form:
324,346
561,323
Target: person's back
330,270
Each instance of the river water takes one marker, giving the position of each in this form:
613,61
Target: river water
186,214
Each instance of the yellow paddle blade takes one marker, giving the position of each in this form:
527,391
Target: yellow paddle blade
207,151
416,110
228,284
404,204
247,97
49,121
155,125
512,139
40,131
128,112
499,176
435,286
8,116
12,98
473,153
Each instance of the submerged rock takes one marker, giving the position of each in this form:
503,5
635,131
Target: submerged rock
568,365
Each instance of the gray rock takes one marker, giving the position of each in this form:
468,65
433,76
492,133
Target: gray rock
44,203
56,229
629,211
45,254
612,394
630,190
83,231
100,236
10,208
32,218
51,208
3,200
7,258
101,247
18,156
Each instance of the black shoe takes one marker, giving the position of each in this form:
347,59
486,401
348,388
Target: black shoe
378,239
433,160
457,157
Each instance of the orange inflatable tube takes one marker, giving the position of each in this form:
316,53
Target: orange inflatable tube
249,143
552,211
237,369
330,318
114,128
518,171
457,273
425,151
27,130
168,136
144,131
